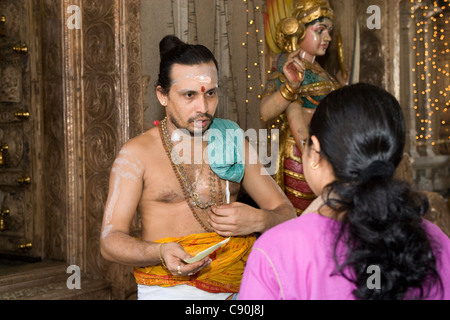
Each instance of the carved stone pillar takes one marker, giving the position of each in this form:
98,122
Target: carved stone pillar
55,204
89,115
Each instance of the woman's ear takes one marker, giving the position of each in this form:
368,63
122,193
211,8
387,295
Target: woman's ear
162,97
315,150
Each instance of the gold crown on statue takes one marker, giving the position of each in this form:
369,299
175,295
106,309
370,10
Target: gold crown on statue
293,29
307,11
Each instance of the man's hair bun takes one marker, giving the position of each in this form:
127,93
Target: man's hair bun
169,43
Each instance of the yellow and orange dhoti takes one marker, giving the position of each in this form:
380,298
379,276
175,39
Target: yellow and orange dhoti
224,275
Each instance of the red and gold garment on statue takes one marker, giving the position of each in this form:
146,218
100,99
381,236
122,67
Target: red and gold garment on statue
292,177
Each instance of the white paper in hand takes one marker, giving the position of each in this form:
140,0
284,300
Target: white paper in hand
206,252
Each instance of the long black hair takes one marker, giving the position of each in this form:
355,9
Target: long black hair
361,130
174,51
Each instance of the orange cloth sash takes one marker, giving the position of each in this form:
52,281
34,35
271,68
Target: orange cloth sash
224,275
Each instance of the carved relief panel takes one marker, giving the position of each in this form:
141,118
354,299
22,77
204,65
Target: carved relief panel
10,83
17,211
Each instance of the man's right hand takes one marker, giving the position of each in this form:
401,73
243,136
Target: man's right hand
174,255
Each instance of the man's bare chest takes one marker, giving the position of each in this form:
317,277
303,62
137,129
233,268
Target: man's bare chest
199,185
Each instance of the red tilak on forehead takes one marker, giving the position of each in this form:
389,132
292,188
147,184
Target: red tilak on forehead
203,89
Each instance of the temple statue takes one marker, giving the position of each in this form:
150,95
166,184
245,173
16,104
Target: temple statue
297,32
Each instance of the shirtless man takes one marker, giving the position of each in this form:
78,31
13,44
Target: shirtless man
175,220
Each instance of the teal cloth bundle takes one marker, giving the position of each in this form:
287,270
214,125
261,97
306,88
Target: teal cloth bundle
226,150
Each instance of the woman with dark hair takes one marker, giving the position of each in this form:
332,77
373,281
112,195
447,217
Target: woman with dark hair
364,237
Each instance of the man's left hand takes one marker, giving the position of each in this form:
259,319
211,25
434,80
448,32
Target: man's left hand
236,219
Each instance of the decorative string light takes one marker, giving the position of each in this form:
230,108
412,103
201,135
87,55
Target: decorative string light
254,45
431,86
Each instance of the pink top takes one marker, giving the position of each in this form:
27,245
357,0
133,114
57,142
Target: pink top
294,260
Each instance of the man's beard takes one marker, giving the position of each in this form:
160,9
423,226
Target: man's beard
192,120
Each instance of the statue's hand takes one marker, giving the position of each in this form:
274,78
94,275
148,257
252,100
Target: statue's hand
343,79
294,69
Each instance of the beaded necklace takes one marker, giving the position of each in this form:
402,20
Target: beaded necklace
189,191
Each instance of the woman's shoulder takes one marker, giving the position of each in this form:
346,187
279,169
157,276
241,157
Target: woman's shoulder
308,228
436,233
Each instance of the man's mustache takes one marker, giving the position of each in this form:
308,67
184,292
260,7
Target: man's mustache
202,116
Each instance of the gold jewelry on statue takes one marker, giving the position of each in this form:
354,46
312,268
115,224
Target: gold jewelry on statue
291,90
314,102
191,197
286,94
160,255
179,270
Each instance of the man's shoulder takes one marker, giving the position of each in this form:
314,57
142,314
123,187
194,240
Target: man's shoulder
144,143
